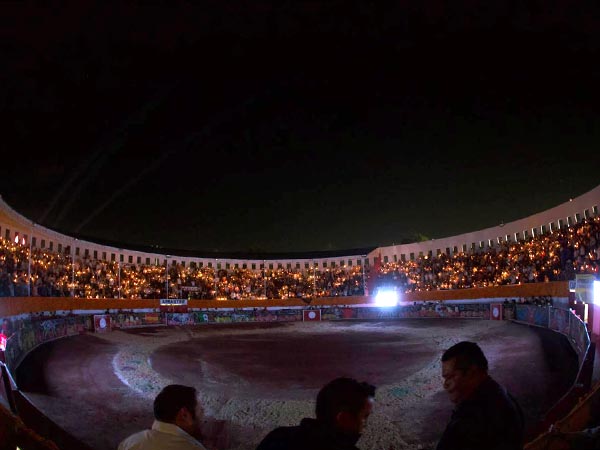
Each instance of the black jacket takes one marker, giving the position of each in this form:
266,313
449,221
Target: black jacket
309,435
490,419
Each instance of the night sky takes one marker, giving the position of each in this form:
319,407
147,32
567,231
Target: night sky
245,126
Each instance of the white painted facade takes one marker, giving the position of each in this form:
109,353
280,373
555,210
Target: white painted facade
14,225
564,215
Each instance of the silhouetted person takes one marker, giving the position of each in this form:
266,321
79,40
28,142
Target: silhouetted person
177,414
588,439
486,416
343,407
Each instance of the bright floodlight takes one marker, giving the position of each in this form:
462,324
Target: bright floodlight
596,292
386,297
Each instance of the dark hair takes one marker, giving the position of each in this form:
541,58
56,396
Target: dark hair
342,394
171,399
467,354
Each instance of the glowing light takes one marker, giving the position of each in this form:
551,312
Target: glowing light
386,297
596,292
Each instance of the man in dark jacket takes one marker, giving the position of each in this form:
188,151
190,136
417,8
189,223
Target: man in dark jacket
588,439
343,407
486,416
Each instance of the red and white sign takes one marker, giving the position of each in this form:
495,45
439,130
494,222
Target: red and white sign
175,305
3,340
496,311
311,315
102,323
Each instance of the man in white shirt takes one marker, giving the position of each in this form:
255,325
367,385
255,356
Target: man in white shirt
177,414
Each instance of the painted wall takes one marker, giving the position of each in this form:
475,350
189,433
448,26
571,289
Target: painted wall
595,319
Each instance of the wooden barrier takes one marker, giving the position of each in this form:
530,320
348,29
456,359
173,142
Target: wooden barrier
14,433
22,305
13,306
325,301
551,289
576,420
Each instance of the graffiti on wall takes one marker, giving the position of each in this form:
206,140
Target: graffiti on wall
26,332
180,319
134,320
535,315
439,311
579,335
38,330
234,316
559,320
337,313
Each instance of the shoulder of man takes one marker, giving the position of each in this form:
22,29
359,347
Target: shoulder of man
508,405
493,393
152,439
281,438
134,441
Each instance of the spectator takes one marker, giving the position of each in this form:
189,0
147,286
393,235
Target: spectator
485,416
177,414
588,439
343,407
552,256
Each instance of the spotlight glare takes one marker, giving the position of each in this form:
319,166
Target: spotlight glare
597,292
386,298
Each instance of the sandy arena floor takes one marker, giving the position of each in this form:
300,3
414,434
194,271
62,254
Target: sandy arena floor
254,377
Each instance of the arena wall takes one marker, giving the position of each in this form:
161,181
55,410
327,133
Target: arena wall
30,322
12,306
42,318
15,434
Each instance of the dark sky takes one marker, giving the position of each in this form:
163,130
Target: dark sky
244,126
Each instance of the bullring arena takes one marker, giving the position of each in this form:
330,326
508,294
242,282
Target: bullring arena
254,377
83,371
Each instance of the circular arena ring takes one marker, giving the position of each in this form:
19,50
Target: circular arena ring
257,368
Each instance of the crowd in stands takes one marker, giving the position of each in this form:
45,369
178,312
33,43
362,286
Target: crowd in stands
550,257
53,274
553,256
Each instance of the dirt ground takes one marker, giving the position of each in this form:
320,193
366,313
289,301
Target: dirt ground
254,377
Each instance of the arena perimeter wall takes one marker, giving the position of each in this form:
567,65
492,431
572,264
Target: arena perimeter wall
31,322
28,331
14,306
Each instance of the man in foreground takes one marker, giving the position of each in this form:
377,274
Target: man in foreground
177,414
588,439
486,416
343,407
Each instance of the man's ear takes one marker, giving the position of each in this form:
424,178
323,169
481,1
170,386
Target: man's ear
474,372
344,420
183,417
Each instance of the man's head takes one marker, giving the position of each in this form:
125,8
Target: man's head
179,405
345,405
464,368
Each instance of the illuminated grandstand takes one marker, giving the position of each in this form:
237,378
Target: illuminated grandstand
53,285
86,269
